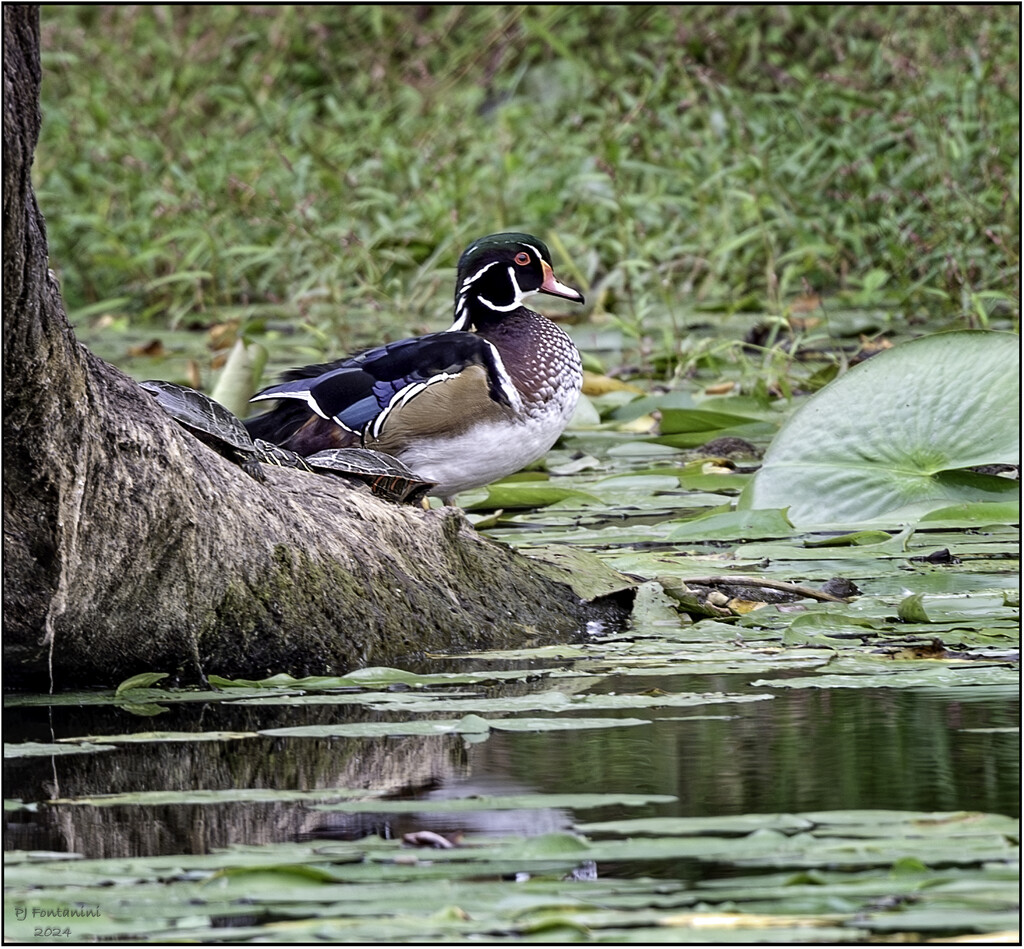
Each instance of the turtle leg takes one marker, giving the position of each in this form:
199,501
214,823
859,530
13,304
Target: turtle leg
251,466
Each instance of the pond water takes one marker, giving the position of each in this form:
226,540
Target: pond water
674,777
801,750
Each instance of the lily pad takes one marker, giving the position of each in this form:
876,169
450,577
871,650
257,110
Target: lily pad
589,576
733,525
224,796
581,801
832,871
468,725
513,495
555,701
372,677
35,749
141,681
1006,679
690,428
899,431
974,514
159,737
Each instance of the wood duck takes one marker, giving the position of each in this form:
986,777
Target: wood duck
459,408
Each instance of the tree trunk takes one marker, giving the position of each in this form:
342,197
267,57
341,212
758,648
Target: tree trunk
129,546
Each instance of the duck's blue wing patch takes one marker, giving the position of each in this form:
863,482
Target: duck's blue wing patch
355,390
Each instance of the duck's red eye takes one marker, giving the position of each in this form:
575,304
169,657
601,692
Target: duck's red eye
522,258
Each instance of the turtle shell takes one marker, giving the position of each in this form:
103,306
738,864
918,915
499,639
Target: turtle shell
209,421
386,475
200,414
224,432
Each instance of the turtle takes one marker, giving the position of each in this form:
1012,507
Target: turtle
224,432
271,454
386,476
210,422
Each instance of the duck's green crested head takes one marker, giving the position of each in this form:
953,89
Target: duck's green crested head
496,273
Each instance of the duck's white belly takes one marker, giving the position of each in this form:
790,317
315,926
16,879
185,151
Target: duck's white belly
489,450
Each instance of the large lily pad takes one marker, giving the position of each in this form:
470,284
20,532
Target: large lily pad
899,432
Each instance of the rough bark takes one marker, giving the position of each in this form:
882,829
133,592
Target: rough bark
130,546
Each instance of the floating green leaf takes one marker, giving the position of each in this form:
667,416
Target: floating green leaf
580,801
689,428
372,677
467,725
898,432
554,701
514,495
35,749
724,825
140,681
160,737
955,608
834,870
874,539
1002,679
733,525
588,575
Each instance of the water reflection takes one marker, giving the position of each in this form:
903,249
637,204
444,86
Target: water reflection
804,750
807,749
475,781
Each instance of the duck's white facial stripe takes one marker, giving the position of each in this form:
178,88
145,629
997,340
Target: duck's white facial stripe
517,300
471,280
461,317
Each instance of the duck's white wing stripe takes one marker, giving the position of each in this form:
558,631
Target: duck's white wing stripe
403,396
303,395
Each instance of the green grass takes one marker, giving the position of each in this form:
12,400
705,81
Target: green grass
323,167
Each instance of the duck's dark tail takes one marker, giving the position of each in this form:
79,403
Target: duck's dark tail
289,415
280,423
